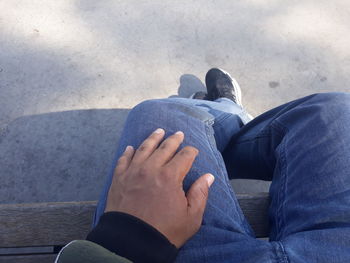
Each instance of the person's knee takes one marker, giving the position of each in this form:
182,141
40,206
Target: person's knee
334,98
156,107
333,104
172,109
151,105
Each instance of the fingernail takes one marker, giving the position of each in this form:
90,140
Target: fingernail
210,179
129,148
159,130
179,132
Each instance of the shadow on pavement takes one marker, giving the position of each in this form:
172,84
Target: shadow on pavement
61,156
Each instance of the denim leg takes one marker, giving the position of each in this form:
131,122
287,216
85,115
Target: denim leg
303,147
227,119
225,235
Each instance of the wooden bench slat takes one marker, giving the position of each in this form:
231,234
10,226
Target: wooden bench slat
255,209
44,224
26,250
51,224
28,259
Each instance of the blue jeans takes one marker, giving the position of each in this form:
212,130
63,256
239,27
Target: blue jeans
302,146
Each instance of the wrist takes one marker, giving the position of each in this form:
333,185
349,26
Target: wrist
132,238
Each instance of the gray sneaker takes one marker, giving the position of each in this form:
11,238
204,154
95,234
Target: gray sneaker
199,95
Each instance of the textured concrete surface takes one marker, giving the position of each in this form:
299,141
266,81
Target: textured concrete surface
70,70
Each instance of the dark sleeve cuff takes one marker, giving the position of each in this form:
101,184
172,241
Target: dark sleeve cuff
132,238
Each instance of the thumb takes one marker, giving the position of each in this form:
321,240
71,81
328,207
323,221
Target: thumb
197,196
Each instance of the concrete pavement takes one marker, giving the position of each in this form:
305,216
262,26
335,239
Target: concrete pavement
71,70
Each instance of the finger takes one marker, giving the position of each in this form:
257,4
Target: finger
148,146
124,160
167,149
182,161
197,196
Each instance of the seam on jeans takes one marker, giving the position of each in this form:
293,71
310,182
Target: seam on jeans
280,215
218,120
223,117
282,256
253,139
217,157
279,127
281,196
264,133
